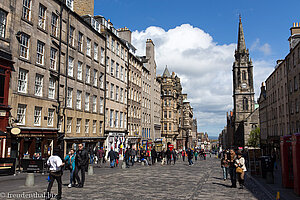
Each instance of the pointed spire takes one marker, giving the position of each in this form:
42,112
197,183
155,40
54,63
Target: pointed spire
166,72
241,47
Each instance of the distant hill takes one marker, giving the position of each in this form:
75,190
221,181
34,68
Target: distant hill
213,137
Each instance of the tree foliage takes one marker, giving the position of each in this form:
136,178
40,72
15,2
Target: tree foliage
254,138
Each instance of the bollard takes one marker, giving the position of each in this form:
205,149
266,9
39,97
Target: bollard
143,163
29,182
278,196
90,170
123,165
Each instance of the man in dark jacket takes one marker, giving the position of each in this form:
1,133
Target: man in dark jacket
190,157
112,157
174,155
168,154
127,155
81,164
153,155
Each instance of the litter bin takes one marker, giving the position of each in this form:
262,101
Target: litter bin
266,165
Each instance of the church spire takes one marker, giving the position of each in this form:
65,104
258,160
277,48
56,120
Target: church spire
241,47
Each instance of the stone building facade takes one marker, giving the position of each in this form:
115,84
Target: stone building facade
134,100
273,108
177,113
59,69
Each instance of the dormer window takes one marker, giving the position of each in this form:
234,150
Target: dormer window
70,3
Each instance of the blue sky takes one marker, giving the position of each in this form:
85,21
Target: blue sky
267,29
265,19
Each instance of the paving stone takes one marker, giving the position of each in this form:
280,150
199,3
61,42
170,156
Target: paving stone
180,181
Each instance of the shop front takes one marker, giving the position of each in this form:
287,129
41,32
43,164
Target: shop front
133,142
32,143
117,142
88,142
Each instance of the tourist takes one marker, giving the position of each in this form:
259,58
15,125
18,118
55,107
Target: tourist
232,168
133,154
70,160
174,155
55,164
168,154
240,169
224,166
81,164
163,157
112,157
183,155
153,155
196,155
126,157
190,157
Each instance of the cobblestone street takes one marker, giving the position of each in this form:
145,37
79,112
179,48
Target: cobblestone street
180,181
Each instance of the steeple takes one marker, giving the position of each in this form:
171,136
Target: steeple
241,47
166,72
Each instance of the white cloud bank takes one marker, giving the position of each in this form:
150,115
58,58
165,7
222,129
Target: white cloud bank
204,68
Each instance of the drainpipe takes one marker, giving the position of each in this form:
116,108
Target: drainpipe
66,75
59,66
105,87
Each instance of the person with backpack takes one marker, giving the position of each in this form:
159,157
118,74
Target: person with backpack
55,173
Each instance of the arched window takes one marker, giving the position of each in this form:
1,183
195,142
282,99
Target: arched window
244,75
245,104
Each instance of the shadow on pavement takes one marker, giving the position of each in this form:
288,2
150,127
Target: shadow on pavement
222,184
218,178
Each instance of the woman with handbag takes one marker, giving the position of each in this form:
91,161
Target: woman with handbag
240,169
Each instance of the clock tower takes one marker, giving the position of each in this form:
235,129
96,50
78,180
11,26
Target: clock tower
243,90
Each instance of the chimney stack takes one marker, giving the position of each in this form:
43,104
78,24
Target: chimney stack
295,35
125,34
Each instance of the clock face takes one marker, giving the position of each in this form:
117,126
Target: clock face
244,85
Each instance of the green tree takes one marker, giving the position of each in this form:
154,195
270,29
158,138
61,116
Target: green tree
254,138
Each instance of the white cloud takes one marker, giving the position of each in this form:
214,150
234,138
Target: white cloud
265,48
205,69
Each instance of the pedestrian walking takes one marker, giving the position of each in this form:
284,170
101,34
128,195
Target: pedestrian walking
153,155
70,162
240,169
143,157
224,166
163,157
168,154
133,154
112,157
183,155
126,157
232,168
190,157
196,155
81,164
174,155
100,155
55,164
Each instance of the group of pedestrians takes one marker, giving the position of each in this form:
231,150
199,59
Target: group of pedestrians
234,163
74,161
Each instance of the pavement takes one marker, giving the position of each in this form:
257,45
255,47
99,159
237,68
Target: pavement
203,180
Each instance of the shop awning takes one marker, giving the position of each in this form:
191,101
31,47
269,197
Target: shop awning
84,138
